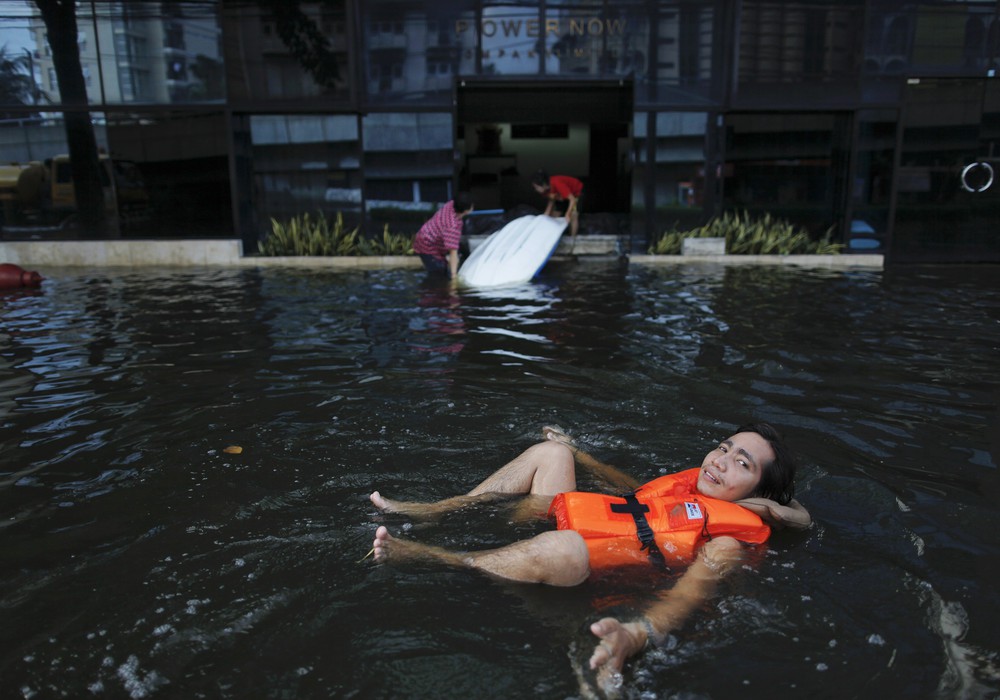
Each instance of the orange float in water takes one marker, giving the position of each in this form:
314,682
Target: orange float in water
13,276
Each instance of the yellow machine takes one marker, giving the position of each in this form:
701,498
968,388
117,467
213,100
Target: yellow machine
41,193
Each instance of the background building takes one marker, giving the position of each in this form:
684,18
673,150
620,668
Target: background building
876,118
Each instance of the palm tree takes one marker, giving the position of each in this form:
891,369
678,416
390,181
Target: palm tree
17,85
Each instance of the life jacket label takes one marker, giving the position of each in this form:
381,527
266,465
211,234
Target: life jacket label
693,511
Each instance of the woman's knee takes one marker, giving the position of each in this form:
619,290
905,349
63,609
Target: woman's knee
555,470
551,449
566,558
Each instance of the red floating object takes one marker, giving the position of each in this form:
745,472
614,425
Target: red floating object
13,276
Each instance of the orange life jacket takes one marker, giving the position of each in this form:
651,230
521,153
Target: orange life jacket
680,518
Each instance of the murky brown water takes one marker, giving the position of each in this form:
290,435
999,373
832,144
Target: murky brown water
140,559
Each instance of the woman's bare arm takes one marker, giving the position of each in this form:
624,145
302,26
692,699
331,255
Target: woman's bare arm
794,515
621,640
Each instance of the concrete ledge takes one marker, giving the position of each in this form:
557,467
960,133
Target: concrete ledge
364,262
703,246
837,262
229,252
121,253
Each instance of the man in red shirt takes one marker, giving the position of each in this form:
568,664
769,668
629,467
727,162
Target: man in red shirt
437,240
560,188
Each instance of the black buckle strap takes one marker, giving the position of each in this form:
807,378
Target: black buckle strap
642,530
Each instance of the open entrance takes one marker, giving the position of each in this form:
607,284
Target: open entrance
506,131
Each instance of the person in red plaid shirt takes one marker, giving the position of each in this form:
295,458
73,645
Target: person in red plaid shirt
437,240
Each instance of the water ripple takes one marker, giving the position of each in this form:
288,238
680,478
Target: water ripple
140,556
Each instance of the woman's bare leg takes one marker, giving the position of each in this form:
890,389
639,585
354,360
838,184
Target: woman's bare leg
427,511
542,470
556,557
612,476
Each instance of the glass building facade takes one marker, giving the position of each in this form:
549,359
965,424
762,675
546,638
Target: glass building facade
877,120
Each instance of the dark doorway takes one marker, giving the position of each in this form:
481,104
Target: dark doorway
608,190
507,130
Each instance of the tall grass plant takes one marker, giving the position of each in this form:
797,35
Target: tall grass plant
747,236
318,236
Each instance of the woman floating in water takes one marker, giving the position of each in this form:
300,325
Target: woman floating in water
701,517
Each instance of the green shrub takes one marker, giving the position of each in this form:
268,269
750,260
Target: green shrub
670,242
746,236
388,244
303,235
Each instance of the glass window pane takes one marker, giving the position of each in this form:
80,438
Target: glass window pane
152,53
29,74
515,40
22,72
168,55
304,164
416,53
164,174
409,167
673,49
668,48
677,180
287,51
679,171
931,38
791,166
37,196
173,171
872,180
815,46
640,175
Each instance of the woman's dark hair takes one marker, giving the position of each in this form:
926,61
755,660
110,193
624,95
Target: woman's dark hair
462,202
540,178
777,478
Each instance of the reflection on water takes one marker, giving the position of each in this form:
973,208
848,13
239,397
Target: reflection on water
142,560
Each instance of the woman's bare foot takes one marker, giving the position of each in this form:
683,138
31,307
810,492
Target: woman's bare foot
384,504
382,543
388,548
414,509
430,511
554,432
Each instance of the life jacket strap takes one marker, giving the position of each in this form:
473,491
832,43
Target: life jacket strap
643,531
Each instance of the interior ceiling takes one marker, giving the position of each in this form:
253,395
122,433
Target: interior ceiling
544,103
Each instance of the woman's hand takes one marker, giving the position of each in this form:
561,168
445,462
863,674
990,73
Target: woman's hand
619,641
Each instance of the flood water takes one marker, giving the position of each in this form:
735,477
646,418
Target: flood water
141,559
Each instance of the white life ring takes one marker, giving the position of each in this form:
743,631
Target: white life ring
969,168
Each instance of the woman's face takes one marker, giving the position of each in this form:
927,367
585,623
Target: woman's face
732,470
